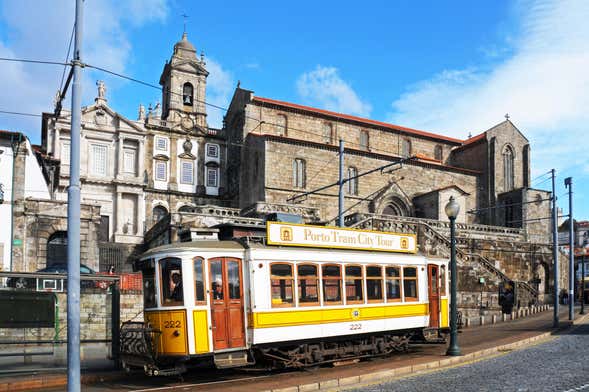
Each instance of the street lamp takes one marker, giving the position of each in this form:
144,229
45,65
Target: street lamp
452,209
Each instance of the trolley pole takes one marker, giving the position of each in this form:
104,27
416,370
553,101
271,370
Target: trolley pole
555,320
340,215
583,281
73,216
568,182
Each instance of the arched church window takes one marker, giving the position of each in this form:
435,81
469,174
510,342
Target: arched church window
508,172
282,125
438,153
406,148
57,248
187,94
299,173
352,182
159,212
395,207
328,136
186,208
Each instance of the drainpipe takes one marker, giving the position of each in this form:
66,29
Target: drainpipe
15,151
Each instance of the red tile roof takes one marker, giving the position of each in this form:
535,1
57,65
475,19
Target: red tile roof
358,119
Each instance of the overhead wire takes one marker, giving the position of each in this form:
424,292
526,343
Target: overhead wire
33,61
67,56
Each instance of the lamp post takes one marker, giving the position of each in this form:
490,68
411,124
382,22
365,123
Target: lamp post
583,280
452,209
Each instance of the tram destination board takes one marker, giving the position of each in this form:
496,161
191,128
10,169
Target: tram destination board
25,309
289,234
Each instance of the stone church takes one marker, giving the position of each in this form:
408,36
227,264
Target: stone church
168,172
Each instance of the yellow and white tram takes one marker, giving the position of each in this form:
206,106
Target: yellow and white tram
237,302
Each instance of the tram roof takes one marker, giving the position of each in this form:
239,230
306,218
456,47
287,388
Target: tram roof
195,245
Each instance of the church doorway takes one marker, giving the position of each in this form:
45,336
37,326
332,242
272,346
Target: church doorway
57,248
396,207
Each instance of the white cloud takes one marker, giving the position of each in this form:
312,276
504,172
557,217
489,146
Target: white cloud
324,87
219,90
42,30
543,84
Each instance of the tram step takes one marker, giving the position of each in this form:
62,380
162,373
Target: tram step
231,359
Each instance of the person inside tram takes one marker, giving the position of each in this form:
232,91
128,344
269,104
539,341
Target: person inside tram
218,290
177,293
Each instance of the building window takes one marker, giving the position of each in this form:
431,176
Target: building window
374,283
187,172
299,173
161,143
99,160
199,281
354,284
212,176
438,153
65,153
281,125
352,181
410,283
406,148
526,165
282,283
508,168
187,94
159,212
129,161
393,282
212,150
364,140
328,136
332,284
307,284
161,171
171,282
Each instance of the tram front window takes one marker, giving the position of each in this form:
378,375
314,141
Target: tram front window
171,282
149,288
199,292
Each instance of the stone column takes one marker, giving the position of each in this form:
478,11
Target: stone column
140,159
172,185
140,214
119,163
57,144
118,213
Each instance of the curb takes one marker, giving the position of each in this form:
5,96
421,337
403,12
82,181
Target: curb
383,376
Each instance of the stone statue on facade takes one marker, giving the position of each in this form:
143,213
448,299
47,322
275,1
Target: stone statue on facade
101,89
141,112
158,110
56,98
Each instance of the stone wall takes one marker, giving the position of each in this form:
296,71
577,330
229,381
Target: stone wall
37,220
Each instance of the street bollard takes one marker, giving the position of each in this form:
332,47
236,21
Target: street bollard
482,320
494,319
512,316
467,322
503,317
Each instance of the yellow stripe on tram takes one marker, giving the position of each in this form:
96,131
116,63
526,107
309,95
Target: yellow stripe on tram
289,318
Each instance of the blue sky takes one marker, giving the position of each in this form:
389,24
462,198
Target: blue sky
453,67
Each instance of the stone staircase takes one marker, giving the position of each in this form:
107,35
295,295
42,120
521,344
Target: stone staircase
432,242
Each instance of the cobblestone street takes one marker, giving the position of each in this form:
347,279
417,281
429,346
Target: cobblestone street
561,364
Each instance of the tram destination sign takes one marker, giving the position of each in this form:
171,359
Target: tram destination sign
289,234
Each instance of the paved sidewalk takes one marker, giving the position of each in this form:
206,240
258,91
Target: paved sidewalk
475,342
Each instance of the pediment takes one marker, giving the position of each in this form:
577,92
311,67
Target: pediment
103,116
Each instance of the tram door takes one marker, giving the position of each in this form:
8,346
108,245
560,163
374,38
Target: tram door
434,295
226,293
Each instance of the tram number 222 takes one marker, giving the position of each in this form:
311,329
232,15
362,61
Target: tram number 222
355,327
172,324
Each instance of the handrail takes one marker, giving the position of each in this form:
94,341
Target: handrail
32,275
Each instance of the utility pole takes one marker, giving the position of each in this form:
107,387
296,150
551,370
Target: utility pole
568,182
340,211
555,321
73,215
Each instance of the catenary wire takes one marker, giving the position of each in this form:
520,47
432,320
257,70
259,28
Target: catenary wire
33,61
67,56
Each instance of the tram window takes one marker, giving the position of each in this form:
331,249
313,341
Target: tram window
410,283
171,282
393,280
149,288
233,278
199,283
354,283
374,283
443,280
216,279
282,282
332,284
308,282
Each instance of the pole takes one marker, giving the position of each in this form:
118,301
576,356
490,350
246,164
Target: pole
116,324
568,182
453,348
583,283
340,215
73,216
555,321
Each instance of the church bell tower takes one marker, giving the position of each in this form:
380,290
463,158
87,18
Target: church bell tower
183,82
